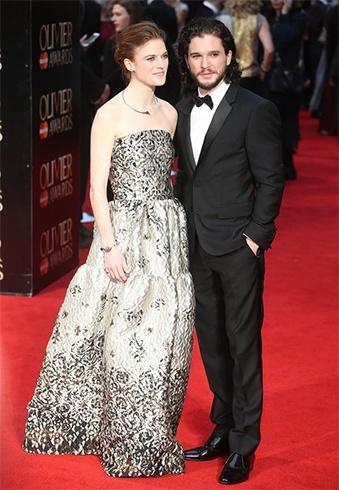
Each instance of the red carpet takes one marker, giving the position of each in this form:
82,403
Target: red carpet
299,445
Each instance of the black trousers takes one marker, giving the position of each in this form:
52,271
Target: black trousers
229,316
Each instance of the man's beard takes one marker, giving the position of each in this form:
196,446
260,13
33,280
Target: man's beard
210,85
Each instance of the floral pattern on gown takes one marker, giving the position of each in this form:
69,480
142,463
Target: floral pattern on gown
115,371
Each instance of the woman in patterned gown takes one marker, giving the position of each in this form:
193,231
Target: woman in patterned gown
114,376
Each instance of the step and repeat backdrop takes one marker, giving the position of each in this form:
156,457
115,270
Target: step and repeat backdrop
39,198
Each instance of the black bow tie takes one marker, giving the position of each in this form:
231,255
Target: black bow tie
199,101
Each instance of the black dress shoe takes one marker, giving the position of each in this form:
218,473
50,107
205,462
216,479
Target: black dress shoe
213,448
237,469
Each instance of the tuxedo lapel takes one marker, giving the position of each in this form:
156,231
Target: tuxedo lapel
188,145
185,106
219,118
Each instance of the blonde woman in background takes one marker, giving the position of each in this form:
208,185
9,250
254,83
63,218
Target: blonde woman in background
249,29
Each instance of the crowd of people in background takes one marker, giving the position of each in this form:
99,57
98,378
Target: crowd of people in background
303,33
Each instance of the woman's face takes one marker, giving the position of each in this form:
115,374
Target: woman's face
277,4
150,63
120,18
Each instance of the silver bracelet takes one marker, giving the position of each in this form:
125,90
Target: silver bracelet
107,249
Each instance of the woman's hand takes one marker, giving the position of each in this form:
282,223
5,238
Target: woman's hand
115,265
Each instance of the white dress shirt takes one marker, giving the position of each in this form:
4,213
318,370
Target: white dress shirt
201,118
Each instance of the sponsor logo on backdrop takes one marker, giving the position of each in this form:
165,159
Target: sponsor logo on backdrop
56,246
43,61
43,130
55,111
55,180
55,42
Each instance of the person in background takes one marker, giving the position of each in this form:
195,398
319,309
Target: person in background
317,19
181,11
90,15
251,32
287,22
328,123
230,181
106,25
332,48
114,376
124,13
93,92
314,54
164,16
209,8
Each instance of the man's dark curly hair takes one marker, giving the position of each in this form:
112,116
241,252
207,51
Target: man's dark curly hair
199,27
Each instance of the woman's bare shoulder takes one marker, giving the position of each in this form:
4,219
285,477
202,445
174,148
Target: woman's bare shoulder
169,111
166,106
109,110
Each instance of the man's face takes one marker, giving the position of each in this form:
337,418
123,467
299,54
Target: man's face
207,61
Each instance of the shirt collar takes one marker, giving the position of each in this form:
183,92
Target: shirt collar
218,94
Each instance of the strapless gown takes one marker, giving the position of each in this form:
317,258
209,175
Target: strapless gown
114,375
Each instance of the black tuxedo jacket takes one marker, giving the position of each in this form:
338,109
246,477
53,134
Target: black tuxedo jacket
237,185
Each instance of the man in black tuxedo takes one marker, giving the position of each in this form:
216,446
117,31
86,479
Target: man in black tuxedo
230,181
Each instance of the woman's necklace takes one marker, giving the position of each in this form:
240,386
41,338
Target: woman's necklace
147,113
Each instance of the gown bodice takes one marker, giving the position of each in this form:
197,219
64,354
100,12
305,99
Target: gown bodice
141,166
